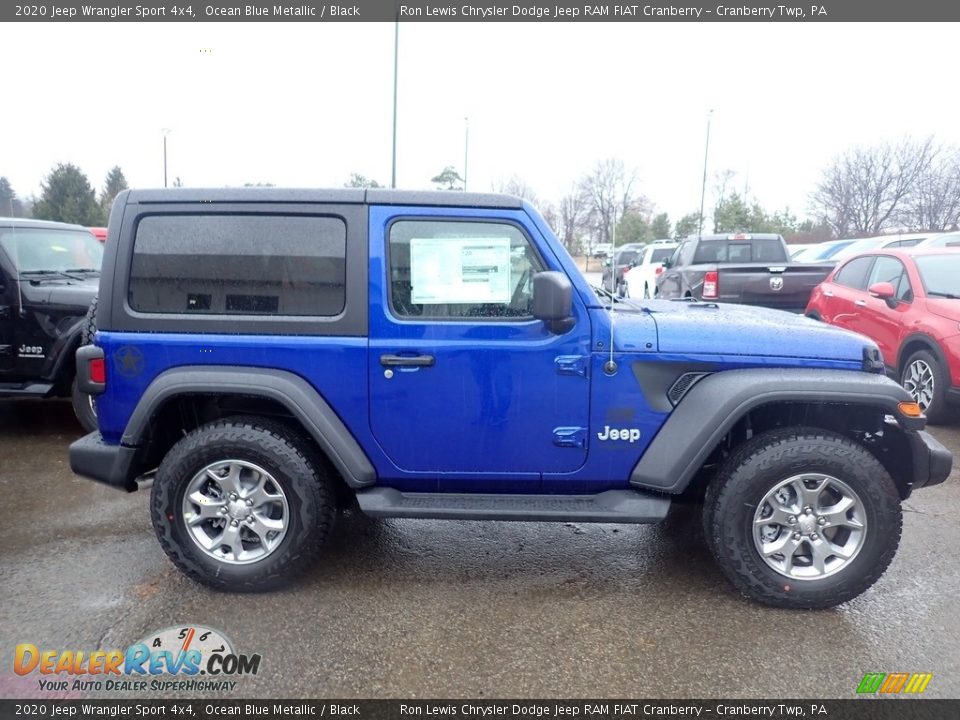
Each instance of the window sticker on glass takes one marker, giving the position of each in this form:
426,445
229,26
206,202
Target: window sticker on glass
460,270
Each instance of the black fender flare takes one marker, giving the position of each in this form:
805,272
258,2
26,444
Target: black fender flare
294,393
712,406
929,343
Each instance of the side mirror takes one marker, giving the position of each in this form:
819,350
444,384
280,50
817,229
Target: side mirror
667,264
608,262
553,301
885,292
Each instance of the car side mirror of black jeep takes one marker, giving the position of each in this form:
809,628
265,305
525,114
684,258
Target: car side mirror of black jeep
666,264
553,301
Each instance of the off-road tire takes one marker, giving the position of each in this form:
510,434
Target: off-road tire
286,455
759,465
939,411
84,407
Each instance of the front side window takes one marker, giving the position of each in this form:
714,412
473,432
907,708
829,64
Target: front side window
891,270
443,269
239,264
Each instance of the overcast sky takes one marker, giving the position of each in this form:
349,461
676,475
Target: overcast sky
307,104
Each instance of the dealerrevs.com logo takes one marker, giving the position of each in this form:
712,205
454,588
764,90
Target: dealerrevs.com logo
168,660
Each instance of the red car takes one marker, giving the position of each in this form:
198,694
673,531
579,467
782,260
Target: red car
908,302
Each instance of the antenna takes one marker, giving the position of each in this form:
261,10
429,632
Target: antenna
610,367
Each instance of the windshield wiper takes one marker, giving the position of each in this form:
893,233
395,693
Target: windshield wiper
82,270
606,293
41,275
949,296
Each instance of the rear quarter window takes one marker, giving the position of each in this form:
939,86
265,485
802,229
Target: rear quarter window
239,264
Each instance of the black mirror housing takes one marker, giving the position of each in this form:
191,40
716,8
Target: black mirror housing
553,301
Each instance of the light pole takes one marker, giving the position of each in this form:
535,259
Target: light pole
165,131
703,188
396,46
466,149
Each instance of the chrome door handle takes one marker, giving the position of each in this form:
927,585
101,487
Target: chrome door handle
861,303
828,293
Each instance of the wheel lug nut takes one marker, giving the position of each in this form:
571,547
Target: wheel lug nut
792,519
796,536
807,510
249,503
233,496
234,523
821,520
814,536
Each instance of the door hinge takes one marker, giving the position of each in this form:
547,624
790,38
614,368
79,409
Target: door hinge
575,437
571,365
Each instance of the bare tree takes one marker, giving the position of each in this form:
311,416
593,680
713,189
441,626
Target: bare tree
868,189
935,202
572,216
608,192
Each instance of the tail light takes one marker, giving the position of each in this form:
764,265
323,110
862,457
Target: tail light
97,370
711,284
91,370
659,269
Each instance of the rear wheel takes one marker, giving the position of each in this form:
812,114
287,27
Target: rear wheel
926,381
802,518
242,504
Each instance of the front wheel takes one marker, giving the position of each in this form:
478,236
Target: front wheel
241,504
802,518
926,381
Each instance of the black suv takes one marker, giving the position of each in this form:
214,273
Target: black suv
49,274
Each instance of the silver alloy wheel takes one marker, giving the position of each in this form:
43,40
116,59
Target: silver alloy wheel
919,381
235,512
809,526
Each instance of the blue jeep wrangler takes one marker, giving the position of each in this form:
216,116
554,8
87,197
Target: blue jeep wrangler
270,355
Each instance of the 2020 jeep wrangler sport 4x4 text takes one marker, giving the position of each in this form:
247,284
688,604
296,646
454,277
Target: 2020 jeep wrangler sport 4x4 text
272,354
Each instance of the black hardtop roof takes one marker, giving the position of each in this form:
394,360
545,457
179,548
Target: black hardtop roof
349,196
38,224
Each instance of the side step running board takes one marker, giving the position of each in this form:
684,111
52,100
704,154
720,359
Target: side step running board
612,506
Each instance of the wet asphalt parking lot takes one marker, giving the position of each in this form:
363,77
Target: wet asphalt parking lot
462,609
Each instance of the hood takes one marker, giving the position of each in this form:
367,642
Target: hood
944,307
728,329
62,293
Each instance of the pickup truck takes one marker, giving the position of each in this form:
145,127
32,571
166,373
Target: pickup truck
269,356
750,269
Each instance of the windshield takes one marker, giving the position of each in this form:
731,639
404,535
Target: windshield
857,247
661,254
940,275
828,250
38,249
742,251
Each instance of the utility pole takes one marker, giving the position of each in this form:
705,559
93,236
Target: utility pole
396,46
466,149
703,188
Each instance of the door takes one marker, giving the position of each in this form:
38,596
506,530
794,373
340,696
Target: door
670,284
845,297
466,387
876,319
8,313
